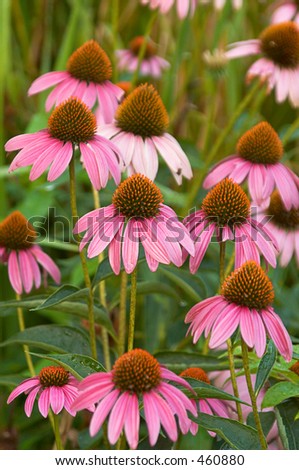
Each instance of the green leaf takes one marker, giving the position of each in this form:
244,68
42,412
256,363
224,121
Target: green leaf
237,435
104,270
279,392
189,283
267,419
179,361
52,338
79,365
65,292
265,367
287,424
205,390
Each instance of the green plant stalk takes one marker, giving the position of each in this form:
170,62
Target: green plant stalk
252,395
230,351
90,302
122,312
143,48
21,321
114,27
102,294
132,314
57,433
197,181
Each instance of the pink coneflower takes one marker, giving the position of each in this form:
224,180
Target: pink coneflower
136,376
284,224
22,255
151,65
70,125
183,7
139,129
279,65
225,211
87,77
257,161
245,302
136,210
211,406
286,11
55,388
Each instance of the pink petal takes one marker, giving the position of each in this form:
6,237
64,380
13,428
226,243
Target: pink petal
45,81
117,417
259,333
23,387
102,411
131,246
29,402
56,399
61,161
166,416
14,272
247,327
278,333
44,402
151,418
25,270
47,263
225,326
132,421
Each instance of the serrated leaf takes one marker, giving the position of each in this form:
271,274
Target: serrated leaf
265,367
267,419
179,361
238,436
63,293
79,365
52,338
186,281
279,392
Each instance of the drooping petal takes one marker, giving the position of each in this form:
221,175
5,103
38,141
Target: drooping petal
44,402
117,417
14,272
56,399
102,411
132,421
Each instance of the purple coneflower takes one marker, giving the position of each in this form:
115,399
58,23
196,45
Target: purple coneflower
71,125
87,77
225,212
151,65
184,7
245,302
135,215
136,377
257,161
286,11
22,255
55,388
279,65
139,129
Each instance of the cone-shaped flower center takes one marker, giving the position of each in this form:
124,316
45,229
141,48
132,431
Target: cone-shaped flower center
295,368
288,220
16,233
138,197
53,376
226,204
260,144
90,63
196,373
142,112
280,43
72,121
248,286
137,43
136,371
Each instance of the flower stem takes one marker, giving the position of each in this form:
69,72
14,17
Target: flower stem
219,142
102,294
25,347
252,395
132,310
122,312
114,27
90,303
57,433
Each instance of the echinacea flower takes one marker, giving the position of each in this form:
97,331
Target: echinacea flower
139,129
257,161
136,377
22,255
183,7
286,11
284,225
210,406
87,77
151,65
136,210
225,211
244,302
54,388
278,45
71,125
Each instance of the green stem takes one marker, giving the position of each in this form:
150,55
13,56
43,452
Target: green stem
57,433
132,310
252,395
122,313
102,294
92,335
114,27
290,131
219,142
222,263
143,48
21,321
